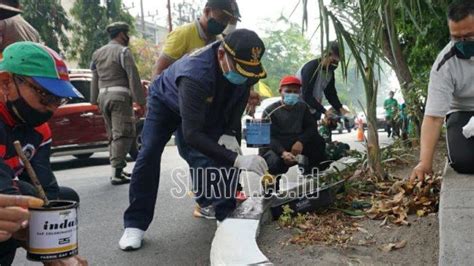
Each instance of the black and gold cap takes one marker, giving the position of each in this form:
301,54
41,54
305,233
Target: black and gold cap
247,49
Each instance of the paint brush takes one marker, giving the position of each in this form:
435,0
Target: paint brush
31,172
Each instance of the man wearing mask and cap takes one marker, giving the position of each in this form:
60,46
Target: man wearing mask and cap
194,35
219,17
34,82
318,79
205,93
115,86
451,96
13,27
293,131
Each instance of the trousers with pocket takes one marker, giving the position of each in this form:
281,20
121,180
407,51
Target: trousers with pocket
117,110
460,149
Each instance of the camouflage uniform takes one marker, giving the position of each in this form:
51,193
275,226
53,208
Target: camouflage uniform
115,86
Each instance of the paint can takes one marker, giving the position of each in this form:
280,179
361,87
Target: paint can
53,231
258,133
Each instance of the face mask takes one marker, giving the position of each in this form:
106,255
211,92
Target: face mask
126,40
214,27
23,113
232,76
290,98
466,48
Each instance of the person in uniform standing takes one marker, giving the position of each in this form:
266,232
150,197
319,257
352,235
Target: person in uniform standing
115,86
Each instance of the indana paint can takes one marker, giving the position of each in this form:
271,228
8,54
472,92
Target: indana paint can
53,231
258,133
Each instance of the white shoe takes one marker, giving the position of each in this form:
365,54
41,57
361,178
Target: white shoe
131,239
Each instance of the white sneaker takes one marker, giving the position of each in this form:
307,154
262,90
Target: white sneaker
131,239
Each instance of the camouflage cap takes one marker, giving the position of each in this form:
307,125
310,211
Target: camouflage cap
118,26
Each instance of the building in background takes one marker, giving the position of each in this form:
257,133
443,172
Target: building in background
153,33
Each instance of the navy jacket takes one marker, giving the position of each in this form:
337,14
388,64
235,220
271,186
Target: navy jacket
209,105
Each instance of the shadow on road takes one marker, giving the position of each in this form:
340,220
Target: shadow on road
80,163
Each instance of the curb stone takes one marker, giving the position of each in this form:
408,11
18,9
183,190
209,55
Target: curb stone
456,218
244,225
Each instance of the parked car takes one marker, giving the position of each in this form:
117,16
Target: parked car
380,115
78,127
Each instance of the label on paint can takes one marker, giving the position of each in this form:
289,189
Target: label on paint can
53,231
258,133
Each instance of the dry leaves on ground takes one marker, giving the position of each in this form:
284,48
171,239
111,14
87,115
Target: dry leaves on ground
330,228
394,203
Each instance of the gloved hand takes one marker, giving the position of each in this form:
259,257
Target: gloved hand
252,163
468,129
230,143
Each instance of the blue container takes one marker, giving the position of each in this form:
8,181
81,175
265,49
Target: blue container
258,133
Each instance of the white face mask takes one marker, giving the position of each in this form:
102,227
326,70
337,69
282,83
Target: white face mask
230,28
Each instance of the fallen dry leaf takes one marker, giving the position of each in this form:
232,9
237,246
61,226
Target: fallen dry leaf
393,246
403,198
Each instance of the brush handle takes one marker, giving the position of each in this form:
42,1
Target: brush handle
31,172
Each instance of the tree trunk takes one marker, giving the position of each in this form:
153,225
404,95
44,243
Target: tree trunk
373,147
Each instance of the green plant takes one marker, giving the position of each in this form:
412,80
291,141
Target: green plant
285,218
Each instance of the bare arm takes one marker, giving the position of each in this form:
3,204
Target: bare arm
161,64
430,133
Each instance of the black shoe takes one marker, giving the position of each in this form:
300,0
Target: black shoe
127,174
120,180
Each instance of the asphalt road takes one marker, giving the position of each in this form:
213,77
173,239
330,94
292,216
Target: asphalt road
174,237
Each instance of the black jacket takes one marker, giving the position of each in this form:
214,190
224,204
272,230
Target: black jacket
309,74
289,124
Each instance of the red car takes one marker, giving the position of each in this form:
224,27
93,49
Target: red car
78,127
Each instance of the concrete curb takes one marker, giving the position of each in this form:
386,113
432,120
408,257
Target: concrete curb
456,219
235,240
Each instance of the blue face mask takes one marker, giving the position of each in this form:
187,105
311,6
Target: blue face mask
232,76
466,48
290,98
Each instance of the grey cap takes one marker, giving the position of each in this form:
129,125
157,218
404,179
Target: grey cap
118,26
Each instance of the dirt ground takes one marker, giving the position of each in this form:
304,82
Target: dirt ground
421,238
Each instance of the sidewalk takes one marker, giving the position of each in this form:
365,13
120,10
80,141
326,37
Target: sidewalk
456,217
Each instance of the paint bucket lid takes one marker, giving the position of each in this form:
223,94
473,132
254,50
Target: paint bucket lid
55,205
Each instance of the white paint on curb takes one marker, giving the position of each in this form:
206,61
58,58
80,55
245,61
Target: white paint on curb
235,243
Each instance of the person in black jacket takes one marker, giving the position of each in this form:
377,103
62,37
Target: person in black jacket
293,132
317,79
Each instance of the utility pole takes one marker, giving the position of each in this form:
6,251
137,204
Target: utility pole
143,17
170,23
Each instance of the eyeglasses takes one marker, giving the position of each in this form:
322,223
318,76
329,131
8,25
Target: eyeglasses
46,98
462,39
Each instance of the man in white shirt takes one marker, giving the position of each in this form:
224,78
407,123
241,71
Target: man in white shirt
451,96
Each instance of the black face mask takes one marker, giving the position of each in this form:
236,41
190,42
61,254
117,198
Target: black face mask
126,40
214,27
23,113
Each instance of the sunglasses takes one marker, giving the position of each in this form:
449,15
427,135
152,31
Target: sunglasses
46,98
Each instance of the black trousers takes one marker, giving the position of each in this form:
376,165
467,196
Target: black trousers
460,149
315,150
8,248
